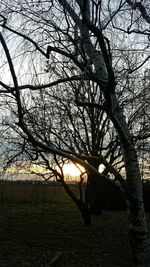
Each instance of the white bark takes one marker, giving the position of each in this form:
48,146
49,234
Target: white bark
138,232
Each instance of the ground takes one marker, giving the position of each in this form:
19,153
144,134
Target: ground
33,231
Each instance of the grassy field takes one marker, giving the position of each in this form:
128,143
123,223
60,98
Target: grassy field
38,221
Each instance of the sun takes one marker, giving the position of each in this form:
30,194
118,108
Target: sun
71,170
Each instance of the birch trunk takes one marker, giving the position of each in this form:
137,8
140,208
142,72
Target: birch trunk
138,232
137,226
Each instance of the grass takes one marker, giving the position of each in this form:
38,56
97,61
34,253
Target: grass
31,232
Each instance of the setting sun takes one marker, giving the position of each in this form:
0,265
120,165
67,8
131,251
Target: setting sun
71,170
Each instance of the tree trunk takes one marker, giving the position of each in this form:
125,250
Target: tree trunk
92,195
79,203
85,213
138,232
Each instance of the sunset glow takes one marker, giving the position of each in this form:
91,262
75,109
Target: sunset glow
72,170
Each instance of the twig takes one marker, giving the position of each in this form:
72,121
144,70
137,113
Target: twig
54,259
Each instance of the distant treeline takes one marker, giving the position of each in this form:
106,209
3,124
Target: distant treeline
37,191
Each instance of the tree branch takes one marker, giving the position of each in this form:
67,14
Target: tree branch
14,77
138,67
61,52
88,104
26,38
141,8
43,86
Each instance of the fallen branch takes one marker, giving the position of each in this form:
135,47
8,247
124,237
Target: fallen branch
54,259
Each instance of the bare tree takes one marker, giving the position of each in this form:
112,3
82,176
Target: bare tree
97,25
